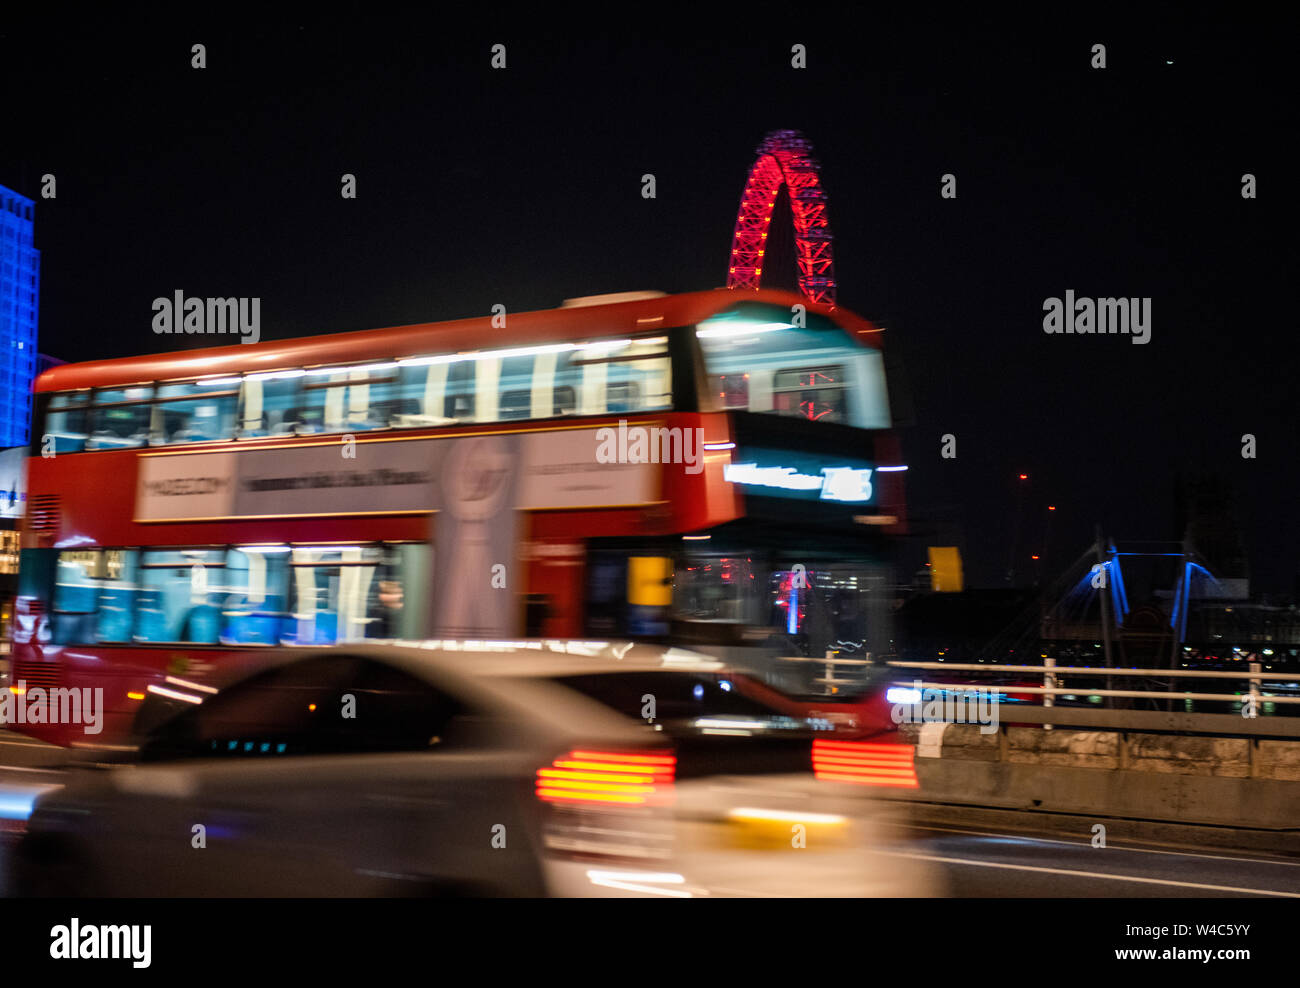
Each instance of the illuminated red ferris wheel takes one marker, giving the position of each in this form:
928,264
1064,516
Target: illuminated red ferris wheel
784,158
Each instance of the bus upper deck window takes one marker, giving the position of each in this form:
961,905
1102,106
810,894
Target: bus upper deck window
813,393
616,376
758,357
622,397
268,406
731,390
348,399
119,418
458,405
195,412
66,421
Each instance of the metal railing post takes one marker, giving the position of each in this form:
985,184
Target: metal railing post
1104,600
1049,683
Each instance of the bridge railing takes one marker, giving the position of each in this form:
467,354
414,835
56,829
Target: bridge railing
1150,721
1246,723
847,673
1253,676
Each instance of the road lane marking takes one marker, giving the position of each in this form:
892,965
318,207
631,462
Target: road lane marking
1088,874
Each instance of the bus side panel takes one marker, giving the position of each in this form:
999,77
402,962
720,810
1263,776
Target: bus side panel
556,572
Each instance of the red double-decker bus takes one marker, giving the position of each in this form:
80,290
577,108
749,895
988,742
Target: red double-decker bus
714,469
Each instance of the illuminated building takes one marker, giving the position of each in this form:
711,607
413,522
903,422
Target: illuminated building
19,294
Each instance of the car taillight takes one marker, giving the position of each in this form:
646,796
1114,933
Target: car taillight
609,805
865,763
614,778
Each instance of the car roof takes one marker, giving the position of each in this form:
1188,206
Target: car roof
483,659
508,676
546,657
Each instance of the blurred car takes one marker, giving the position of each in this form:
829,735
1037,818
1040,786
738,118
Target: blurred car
856,706
427,771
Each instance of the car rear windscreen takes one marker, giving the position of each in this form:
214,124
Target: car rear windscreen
677,695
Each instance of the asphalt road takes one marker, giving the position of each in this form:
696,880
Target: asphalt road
974,861
1014,862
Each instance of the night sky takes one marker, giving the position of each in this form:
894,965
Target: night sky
523,187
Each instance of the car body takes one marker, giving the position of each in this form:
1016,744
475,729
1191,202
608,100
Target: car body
418,770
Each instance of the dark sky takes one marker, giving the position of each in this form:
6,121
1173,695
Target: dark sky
522,187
